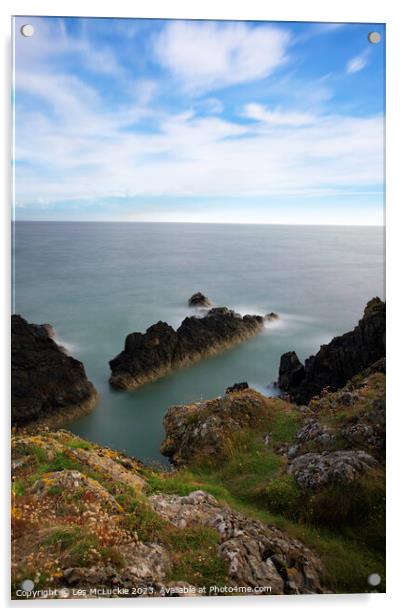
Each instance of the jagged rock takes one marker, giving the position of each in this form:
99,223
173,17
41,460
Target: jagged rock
237,387
271,316
147,357
336,362
291,371
202,428
257,555
199,299
313,470
312,434
46,383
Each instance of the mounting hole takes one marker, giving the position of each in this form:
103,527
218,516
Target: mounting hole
27,585
374,37
374,579
27,30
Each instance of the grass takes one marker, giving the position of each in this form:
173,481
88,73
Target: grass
75,542
345,527
251,478
78,443
79,547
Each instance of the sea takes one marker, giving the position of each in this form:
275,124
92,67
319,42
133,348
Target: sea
96,282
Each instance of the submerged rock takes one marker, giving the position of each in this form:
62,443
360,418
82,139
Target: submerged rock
147,357
336,362
199,299
45,382
271,316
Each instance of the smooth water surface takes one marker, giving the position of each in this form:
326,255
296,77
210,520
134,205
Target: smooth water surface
97,282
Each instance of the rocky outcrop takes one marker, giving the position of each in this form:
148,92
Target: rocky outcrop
147,357
46,383
336,362
199,300
271,316
312,434
237,387
201,429
315,470
258,556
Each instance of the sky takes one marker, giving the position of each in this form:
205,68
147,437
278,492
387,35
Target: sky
198,121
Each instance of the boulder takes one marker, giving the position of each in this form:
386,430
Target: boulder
315,470
147,357
336,362
46,384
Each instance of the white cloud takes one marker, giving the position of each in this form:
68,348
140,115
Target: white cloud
357,63
277,117
206,55
72,144
82,149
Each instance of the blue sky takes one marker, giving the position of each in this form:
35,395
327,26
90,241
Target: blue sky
200,121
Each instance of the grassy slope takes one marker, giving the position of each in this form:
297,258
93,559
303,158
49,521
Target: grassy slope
251,478
247,475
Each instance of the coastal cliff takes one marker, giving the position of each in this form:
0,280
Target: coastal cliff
265,496
147,357
46,382
336,362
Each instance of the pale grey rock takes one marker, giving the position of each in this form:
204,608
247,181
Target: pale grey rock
313,470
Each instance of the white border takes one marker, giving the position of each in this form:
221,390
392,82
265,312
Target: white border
369,11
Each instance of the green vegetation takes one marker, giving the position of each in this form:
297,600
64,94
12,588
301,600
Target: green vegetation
345,526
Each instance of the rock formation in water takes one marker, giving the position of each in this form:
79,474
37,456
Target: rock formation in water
45,382
147,357
337,361
199,300
271,316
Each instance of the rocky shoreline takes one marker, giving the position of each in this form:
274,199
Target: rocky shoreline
47,385
85,516
336,362
147,357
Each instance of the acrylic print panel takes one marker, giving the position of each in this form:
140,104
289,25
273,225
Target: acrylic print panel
198,209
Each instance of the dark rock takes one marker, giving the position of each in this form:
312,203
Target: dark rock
46,383
161,349
291,371
336,362
271,316
237,387
199,299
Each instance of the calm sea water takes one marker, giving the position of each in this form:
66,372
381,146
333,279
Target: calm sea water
97,282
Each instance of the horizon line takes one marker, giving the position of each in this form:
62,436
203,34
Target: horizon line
194,222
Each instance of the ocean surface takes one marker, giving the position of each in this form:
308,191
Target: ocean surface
97,282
